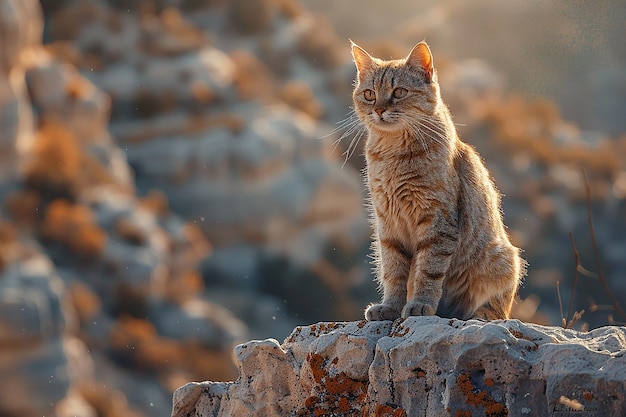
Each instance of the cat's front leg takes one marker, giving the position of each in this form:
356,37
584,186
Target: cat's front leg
393,271
424,301
431,265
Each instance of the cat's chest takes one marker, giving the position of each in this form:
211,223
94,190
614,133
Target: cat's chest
399,193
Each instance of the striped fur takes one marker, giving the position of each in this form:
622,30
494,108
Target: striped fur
440,244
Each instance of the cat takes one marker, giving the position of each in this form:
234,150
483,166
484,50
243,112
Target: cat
440,245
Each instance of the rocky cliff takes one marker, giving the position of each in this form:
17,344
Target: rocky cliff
98,286
423,366
123,147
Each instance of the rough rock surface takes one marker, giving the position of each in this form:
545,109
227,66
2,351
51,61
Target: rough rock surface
20,31
424,366
38,352
99,287
228,127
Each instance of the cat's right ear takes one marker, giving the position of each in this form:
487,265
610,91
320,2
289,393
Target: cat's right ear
363,61
421,59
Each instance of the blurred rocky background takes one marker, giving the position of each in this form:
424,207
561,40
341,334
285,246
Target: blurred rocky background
169,183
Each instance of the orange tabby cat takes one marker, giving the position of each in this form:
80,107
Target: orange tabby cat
440,243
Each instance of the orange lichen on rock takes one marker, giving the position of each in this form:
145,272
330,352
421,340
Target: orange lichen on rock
184,286
385,410
136,343
298,95
339,394
106,400
59,166
402,331
130,232
85,301
322,328
23,207
78,87
8,235
311,401
480,398
55,166
155,202
252,77
74,227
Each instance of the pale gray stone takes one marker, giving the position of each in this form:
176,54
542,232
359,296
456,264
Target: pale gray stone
423,366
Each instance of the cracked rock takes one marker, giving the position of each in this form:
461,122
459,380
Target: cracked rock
423,366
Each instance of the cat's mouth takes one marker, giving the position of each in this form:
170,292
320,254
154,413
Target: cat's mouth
386,122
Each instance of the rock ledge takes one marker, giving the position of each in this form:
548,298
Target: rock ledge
423,366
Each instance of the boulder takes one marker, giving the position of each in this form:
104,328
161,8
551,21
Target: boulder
63,97
422,366
21,24
38,352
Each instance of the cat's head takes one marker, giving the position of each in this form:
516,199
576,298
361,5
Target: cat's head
389,95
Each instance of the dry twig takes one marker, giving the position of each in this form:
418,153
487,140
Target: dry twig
616,307
558,294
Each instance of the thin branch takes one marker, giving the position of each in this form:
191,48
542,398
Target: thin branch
577,260
596,252
577,316
586,273
558,294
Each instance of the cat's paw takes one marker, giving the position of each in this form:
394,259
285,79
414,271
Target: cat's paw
417,308
381,312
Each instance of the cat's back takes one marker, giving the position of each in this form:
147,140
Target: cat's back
478,204
476,184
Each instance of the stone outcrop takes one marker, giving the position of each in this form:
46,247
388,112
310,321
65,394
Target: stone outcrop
98,286
228,127
423,366
20,31
37,350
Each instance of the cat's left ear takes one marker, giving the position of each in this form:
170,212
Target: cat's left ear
421,59
363,61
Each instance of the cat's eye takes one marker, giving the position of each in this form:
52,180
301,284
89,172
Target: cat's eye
400,92
369,95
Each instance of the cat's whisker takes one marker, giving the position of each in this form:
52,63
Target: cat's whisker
354,143
417,132
432,125
351,128
354,138
347,127
342,124
349,119
348,122
434,134
336,143
434,130
356,127
349,131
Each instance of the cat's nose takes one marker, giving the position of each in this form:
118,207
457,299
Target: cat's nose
380,110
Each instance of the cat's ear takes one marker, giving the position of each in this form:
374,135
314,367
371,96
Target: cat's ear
421,59
363,61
